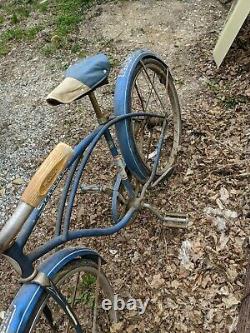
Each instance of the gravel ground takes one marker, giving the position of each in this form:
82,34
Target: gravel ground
196,292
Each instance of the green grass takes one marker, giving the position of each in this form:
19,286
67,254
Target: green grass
18,34
230,102
88,280
48,50
69,13
87,285
20,13
17,11
3,49
63,20
213,85
86,291
12,34
179,82
76,48
222,94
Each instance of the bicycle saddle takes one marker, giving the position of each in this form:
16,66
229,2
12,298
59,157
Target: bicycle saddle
81,78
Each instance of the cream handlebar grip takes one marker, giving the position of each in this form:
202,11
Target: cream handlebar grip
46,174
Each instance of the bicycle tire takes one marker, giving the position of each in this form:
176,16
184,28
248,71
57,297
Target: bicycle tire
37,323
125,86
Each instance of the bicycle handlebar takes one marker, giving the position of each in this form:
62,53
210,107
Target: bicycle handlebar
36,190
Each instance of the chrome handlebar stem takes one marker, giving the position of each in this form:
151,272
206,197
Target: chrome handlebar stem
14,224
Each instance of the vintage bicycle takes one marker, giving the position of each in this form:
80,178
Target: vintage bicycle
63,292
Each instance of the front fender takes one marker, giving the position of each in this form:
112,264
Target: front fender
22,306
122,106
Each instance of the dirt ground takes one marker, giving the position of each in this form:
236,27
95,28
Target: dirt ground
146,260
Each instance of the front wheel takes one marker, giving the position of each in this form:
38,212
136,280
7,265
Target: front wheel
81,282
146,85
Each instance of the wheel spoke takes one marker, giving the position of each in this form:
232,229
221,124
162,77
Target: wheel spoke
155,90
80,283
140,97
150,93
97,289
149,145
73,299
140,138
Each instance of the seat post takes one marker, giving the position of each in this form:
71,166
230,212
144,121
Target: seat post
101,117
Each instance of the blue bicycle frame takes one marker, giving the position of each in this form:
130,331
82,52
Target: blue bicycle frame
25,303
79,159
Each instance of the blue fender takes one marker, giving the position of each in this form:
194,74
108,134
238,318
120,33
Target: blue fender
21,308
122,106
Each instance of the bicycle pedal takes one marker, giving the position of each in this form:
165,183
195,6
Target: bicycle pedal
175,222
172,220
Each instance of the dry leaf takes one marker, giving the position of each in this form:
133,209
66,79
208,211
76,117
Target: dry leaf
230,214
189,172
222,242
116,327
185,250
230,301
224,195
175,284
220,204
157,281
205,281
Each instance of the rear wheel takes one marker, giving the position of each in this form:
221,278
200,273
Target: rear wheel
84,286
149,88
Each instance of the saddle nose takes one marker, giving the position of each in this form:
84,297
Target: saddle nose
81,78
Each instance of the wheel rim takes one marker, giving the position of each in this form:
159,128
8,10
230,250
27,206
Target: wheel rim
153,92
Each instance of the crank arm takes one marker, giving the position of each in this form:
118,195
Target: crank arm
100,189
95,188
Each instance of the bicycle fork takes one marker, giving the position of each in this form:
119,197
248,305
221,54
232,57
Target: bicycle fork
44,281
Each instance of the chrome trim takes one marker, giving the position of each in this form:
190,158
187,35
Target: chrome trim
29,278
14,224
41,279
